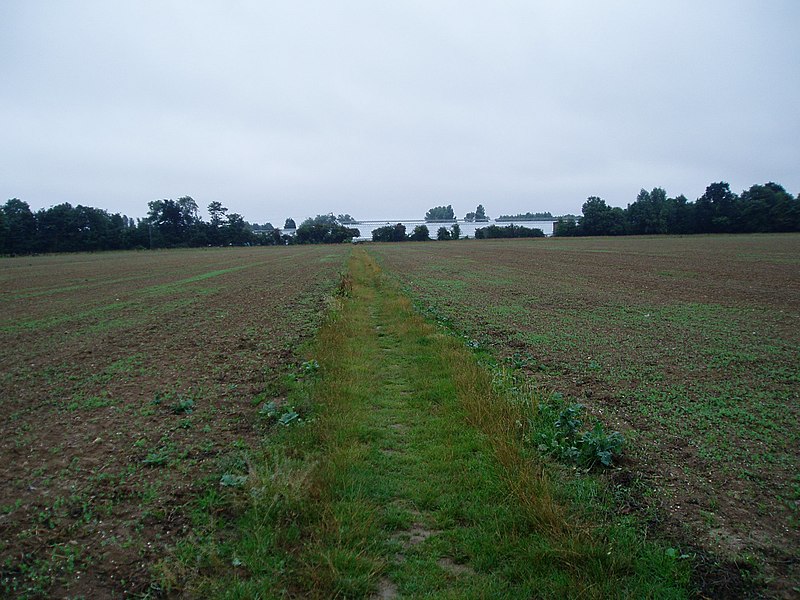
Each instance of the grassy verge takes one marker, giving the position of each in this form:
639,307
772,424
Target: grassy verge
408,479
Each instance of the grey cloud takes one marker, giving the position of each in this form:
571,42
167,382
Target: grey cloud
385,109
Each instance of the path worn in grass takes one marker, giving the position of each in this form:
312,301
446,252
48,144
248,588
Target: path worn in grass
408,482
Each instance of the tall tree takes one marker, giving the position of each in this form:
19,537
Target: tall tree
58,229
189,210
3,230
601,219
717,208
21,224
237,230
216,213
480,214
648,214
768,207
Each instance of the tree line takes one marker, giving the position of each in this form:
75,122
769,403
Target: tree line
176,223
528,216
446,213
169,224
421,233
760,209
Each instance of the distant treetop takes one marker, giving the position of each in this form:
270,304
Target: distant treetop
528,216
440,213
479,215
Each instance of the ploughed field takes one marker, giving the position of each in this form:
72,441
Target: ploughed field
127,387
690,346
143,395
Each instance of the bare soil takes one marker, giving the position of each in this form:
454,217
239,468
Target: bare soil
129,381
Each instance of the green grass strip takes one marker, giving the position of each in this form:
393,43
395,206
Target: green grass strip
411,482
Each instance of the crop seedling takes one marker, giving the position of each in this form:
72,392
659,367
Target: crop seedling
182,405
156,458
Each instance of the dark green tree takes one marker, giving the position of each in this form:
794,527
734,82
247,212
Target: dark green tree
324,229
236,230
600,219
440,213
21,227
94,227
189,210
289,224
565,227
420,234
455,231
58,229
390,233
217,222
716,207
480,214
648,214
216,213
3,230
166,218
679,215
766,208
509,231
443,234
277,239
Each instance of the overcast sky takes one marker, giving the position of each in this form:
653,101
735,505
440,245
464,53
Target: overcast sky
384,109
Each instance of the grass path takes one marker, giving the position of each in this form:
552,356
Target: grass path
410,482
